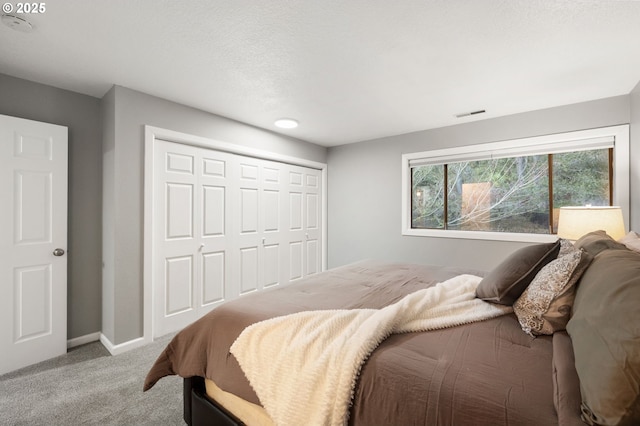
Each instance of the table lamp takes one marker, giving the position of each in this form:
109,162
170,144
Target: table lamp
574,222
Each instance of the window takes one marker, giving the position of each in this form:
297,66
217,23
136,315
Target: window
513,190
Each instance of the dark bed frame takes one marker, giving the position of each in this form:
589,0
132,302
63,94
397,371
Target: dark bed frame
200,410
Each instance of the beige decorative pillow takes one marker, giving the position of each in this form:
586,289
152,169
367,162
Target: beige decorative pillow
545,306
631,240
566,247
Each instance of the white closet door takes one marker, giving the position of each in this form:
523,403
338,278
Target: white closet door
226,225
176,236
217,217
246,238
304,222
312,222
33,241
272,223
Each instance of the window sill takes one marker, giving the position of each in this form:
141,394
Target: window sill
481,235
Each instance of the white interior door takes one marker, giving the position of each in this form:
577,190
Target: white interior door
33,241
227,225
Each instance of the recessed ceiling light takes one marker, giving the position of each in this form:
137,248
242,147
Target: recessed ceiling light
17,23
286,123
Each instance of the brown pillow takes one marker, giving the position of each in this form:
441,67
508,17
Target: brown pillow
545,305
506,282
596,241
566,384
605,331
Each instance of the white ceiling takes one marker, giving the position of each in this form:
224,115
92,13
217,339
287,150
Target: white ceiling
348,70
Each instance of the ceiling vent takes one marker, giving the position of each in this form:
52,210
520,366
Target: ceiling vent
468,114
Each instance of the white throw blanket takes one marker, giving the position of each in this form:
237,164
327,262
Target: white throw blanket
304,366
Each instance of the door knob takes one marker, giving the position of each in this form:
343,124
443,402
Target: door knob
58,252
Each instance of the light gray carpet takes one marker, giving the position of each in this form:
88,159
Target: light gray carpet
88,386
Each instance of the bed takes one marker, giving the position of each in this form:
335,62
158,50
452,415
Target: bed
520,367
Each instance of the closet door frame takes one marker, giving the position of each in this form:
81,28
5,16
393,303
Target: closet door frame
152,134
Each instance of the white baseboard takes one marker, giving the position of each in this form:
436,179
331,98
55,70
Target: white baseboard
113,349
122,347
87,338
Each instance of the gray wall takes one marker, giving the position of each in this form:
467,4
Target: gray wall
108,201
127,113
81,114
635,159
365,185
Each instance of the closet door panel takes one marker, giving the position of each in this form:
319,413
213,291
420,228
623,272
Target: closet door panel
213,213
249,269
213,277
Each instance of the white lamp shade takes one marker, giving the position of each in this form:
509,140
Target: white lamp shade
574,222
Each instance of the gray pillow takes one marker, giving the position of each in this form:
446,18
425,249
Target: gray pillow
566,384
632,241
605,331
597,241
506,282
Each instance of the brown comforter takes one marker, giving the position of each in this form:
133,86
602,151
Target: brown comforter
486,373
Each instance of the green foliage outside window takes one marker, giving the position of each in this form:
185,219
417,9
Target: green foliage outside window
508,194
